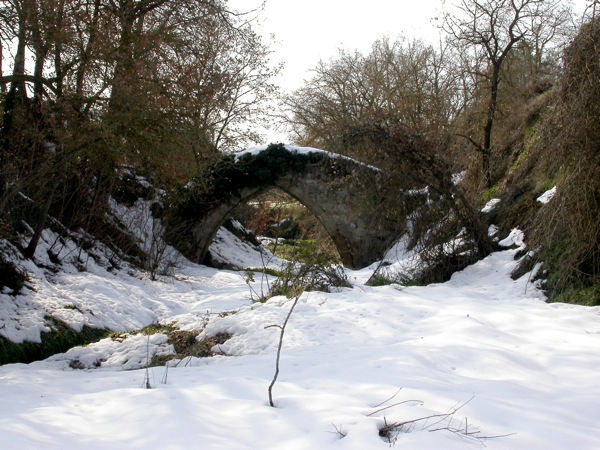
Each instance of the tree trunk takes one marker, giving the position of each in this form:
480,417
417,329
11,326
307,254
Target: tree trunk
17,92
2,85
85,57
35,239
486,150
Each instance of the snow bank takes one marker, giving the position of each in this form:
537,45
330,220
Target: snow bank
256,150
547,196
351,362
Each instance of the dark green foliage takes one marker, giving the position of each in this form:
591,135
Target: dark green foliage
490,193
228,177
588,296
59,340
249,272
304,252
155,328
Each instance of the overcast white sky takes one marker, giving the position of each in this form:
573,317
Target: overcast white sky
310,30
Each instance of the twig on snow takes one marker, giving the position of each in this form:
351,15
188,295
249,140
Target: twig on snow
279,348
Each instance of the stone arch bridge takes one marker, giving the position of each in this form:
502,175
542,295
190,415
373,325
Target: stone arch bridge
341,192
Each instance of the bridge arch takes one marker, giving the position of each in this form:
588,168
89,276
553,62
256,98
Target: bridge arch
339,191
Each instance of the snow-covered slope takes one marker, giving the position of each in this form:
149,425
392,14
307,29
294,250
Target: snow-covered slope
482,346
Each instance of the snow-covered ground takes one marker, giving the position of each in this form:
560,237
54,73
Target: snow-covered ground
496,365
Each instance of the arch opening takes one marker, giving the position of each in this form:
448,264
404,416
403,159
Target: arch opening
276,215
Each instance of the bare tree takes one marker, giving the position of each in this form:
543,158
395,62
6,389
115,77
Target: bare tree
218,85
487,31
404,81
119,81
593,8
